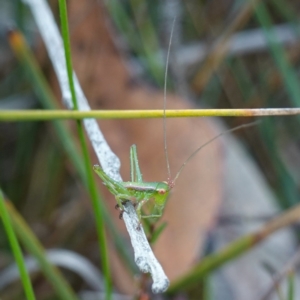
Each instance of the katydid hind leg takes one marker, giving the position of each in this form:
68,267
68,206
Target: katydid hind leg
115,187
109,182
136,175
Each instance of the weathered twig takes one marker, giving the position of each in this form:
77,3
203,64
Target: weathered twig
144,256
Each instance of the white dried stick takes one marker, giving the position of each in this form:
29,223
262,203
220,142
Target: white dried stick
144,257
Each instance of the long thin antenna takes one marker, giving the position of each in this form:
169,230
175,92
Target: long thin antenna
165,102
208,142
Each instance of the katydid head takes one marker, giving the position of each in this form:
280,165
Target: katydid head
162,192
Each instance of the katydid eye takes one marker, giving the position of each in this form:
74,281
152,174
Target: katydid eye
161,191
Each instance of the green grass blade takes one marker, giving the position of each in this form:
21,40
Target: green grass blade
8,226
285,9
32,244
288,189
88,165
123,22
148,37
289,77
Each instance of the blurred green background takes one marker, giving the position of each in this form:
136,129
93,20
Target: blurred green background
225,54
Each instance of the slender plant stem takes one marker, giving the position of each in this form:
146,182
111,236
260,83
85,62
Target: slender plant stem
8,226
91,180
45,115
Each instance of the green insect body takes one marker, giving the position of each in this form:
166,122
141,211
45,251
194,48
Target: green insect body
140,192
136,190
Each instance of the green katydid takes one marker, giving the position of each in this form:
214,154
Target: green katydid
137,190
140,192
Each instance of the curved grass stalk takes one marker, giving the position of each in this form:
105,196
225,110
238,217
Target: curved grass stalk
8,226
32,244
234,249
